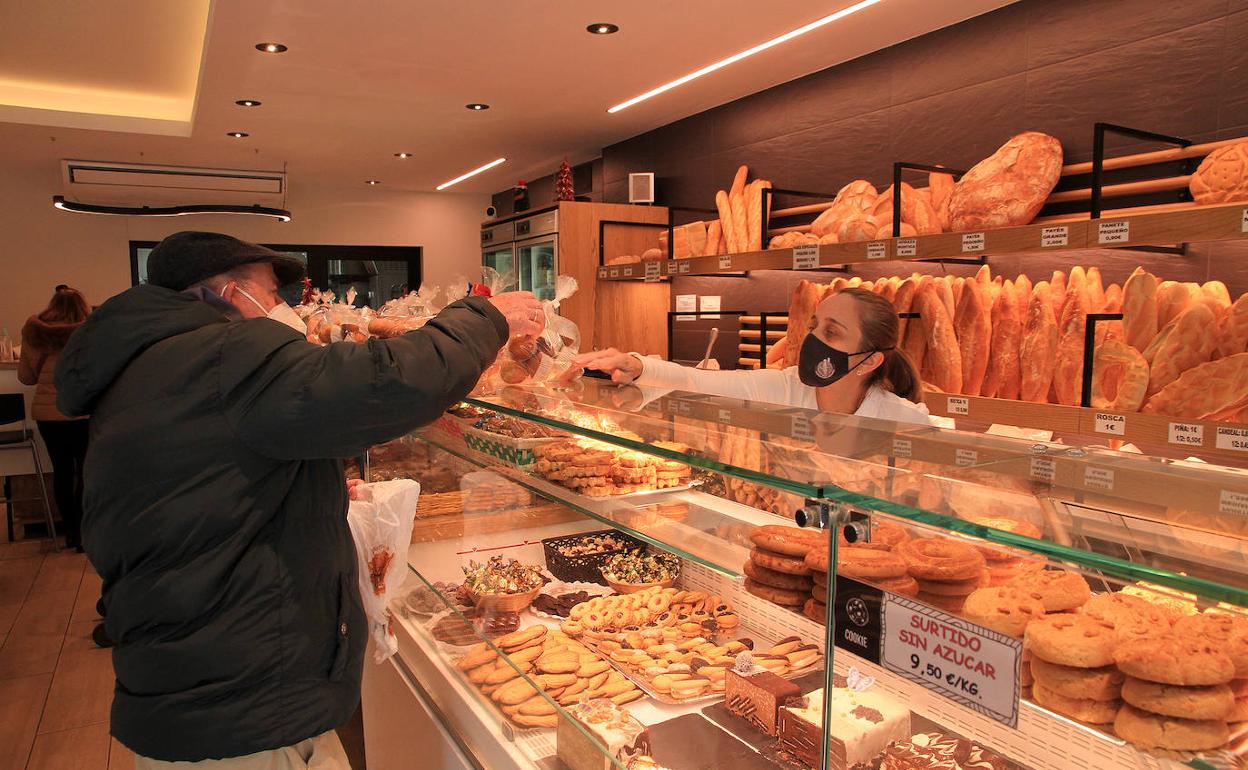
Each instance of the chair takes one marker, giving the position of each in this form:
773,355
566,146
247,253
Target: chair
12,413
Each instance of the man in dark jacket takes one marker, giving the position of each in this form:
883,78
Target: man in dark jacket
215,505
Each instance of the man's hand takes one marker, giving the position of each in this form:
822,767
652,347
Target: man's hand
353,490
623,367
525,317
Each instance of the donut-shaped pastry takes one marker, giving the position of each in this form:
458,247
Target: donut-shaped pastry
869,563
790,565
789,541
938,558
1119,377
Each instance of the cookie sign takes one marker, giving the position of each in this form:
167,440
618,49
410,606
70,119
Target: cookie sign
969,664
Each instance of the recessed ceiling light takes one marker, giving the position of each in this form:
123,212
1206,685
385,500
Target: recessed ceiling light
602,28
247,103
402,155
372,181
271,47
736,57
238,134
472,173
477,106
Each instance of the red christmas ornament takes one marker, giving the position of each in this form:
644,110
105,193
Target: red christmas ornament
563,183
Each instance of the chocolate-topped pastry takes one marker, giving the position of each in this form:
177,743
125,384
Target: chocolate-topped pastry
863,721
942,752
756,694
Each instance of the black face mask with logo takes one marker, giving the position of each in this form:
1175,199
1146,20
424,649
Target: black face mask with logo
820,364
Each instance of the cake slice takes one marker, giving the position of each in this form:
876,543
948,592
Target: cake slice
863,722
756,694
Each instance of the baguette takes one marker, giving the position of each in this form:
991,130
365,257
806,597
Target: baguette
1096,290
914,343
974,332
943,359
753,215
740,224
1022,288
724,204
1037,353
1003,379
695,235
712,239
1068,374
738,182
1139,308
1191,343
806,296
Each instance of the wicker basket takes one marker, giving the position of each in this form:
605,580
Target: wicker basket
586,568
495,448
632,588
504,602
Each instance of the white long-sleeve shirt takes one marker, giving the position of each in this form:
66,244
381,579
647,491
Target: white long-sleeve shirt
772,386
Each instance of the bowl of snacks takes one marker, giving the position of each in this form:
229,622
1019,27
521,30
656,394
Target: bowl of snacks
628,573
502,585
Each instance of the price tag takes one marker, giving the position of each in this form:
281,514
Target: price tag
652,271
671,267
907,247
725,415
1112,424
958,405
683,267
1052,237
602,272
1233,502
615,272
877,250
628,272
801,428
672,406
966,663
972,242
965,457
806,256
1043,469
1187,433
1243,225
902,447
725,262
1235,439
1113,232
1098,478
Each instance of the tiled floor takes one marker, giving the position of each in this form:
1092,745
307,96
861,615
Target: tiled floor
56,687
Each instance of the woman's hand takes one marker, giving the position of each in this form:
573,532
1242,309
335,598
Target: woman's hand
623,367
353,490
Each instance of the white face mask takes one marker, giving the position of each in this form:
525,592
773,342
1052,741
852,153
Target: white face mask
281,312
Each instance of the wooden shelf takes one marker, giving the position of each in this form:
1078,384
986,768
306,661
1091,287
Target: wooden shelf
1225,441
1158,228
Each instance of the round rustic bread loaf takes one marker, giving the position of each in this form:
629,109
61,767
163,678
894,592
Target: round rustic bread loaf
1009,187
1222,176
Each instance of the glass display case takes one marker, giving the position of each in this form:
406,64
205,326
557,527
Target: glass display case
613,577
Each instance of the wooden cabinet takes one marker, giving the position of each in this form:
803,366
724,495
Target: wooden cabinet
629,316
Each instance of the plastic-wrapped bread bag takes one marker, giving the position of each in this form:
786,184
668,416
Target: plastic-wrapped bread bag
380,516
545,358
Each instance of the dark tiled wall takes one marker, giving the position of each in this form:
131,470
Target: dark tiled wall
955,95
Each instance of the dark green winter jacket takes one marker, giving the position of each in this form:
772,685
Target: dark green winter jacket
215,507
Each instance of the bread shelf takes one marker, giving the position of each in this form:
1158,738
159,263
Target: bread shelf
1184,224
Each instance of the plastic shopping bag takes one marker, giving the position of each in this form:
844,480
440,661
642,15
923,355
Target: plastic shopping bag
381,524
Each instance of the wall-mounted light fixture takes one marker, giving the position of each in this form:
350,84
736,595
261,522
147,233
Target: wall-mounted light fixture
281,215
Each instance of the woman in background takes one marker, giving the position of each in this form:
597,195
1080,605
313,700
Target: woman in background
849,363
43,337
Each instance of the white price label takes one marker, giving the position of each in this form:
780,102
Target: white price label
672,406
725,262
725,415
671,267
1233,503
1043,469
907,247
602,272
683,267
1235,439
1052,237
958,405
1113,232
628,272
877,250
965,457
1112,424
1098,478
652,269
1187,433
972,242
615,272
806,256
966,663
1243,225
902,447
801,428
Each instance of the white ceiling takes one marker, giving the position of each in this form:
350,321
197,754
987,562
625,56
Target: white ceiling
362,81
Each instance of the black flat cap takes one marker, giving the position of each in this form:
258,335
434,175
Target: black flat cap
189,257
